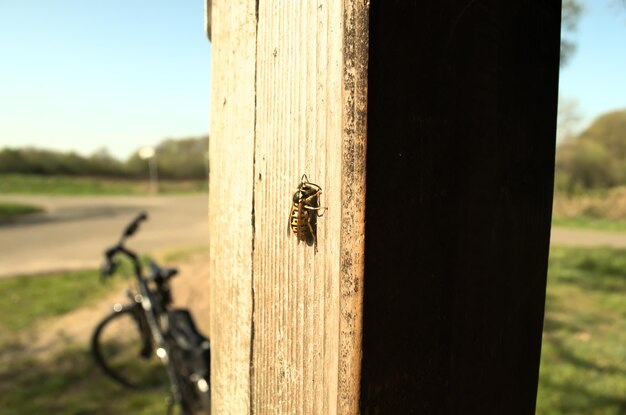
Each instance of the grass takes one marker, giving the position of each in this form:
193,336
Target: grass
583,361
11,210
584,222
28,299
67,381
69,185
71,384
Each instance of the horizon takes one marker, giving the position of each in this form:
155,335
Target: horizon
104,148
88,76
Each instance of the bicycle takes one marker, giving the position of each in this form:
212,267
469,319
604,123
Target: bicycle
125,343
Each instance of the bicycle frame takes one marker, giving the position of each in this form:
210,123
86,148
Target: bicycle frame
153,311
152,304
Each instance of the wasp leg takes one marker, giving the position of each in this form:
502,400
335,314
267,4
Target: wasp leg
322,208
313,196
316,208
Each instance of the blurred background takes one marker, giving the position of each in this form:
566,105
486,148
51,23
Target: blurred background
104,112
583,360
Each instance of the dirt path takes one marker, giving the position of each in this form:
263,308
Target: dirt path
190,288
75,230
73,233
589,238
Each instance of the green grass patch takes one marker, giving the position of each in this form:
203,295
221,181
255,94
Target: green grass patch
583,222
66,381
28,299
70,185
11,210
69,383
583,360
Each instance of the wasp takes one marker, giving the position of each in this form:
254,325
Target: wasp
305,210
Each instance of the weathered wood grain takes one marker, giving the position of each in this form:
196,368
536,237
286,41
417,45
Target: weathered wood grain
231,158
294,313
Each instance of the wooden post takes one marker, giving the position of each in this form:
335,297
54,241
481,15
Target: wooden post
288,98
461,124
231,163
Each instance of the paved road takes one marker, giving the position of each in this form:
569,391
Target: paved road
75,230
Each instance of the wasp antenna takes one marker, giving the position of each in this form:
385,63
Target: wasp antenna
304,179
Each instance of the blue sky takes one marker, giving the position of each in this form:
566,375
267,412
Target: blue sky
80,75
596,74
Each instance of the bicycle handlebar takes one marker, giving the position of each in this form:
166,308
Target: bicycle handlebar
132,227
109,266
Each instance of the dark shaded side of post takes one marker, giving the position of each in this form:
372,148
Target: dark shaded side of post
461,135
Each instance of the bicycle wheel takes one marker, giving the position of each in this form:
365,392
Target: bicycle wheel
122,346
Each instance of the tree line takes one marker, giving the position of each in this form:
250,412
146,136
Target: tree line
594,159
176,159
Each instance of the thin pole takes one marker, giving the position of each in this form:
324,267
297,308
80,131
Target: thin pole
154,176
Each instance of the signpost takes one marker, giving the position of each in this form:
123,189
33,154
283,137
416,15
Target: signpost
148,153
